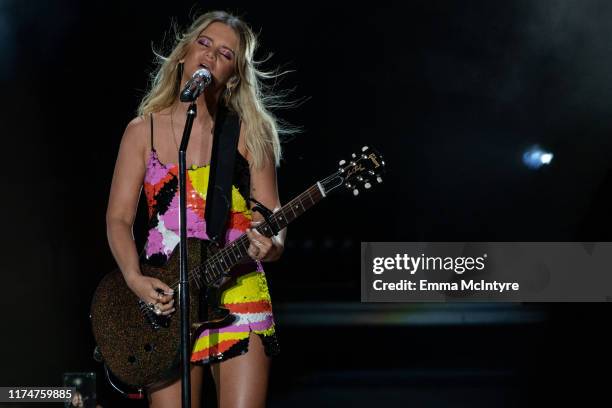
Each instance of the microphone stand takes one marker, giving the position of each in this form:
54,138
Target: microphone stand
183,277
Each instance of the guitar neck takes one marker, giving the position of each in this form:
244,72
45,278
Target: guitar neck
236,251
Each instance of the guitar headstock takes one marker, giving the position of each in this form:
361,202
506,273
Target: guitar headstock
361,171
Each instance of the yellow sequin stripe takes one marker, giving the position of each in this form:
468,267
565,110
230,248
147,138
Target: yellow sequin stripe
199,181
251,287
204,342
267,332
216,338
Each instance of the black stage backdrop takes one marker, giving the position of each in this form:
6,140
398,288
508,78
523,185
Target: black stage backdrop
451,92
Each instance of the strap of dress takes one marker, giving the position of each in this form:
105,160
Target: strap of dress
151,116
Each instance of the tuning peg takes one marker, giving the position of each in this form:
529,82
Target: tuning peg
342,162
349,185
353,155
379,179
355,192
364,148
367,185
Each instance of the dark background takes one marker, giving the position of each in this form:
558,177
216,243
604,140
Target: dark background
451,92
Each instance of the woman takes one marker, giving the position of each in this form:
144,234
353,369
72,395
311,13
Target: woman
148,153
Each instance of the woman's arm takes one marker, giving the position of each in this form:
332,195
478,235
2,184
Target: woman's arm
123,200
122,205
264,189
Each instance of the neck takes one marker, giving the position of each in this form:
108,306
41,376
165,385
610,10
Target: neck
206,105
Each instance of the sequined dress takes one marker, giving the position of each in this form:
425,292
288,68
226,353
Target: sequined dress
247,297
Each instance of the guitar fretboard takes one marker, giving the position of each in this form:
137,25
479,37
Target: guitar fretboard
236,251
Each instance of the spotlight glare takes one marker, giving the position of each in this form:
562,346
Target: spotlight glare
535,157
546,158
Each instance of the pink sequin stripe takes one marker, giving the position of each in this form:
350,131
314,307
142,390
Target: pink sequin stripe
259,326
155,169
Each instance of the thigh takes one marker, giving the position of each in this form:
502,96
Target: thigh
242,381
169,396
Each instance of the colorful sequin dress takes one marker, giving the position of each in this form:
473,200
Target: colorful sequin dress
247,297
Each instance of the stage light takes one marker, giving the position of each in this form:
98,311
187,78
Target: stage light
535,157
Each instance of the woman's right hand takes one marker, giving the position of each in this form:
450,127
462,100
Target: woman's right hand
153,291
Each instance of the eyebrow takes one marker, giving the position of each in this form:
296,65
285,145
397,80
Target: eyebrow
224,46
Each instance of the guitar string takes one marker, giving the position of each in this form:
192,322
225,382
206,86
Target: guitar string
215,257
300,197
220,255
194,273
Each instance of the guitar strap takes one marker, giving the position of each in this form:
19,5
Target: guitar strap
219,193
219,198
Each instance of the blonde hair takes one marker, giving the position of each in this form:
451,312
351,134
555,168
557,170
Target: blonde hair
250,97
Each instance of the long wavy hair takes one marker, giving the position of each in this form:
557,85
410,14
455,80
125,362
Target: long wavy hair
249,96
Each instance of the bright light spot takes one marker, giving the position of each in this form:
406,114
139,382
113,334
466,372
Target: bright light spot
535,157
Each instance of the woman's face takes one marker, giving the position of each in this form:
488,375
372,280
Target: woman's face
215,48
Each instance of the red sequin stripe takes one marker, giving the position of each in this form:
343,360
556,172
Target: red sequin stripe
250,307
238,221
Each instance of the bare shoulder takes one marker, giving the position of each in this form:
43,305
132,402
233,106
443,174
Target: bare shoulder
135,140
136,134
137,128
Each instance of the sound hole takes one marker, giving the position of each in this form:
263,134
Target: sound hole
148,347
131,359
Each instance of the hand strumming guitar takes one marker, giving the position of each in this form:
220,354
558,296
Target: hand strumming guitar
154,292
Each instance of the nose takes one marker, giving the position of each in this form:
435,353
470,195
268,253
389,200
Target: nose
210,55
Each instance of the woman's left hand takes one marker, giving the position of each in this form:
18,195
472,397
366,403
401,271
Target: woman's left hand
262,248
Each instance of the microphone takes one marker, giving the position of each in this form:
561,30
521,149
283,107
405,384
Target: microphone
195,86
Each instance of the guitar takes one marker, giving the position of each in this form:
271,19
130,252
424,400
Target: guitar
140,348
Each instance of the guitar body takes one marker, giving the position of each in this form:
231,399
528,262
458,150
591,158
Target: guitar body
139,347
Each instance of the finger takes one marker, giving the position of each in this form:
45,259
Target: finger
156,309
155,296
164,307
262,254
163,292
253,252
250,234
166,313
255,223
263,245
158,296
164,288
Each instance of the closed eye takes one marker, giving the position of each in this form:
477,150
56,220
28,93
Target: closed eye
204,41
